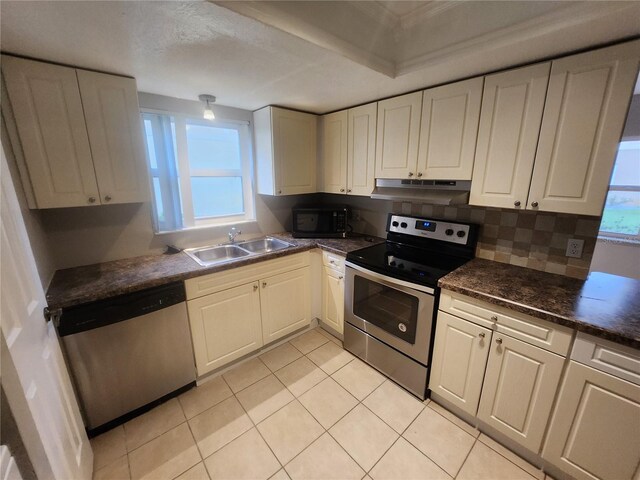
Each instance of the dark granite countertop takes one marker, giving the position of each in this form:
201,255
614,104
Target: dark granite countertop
75,286
604,305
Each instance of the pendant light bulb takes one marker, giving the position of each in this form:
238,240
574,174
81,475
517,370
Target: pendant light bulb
208,111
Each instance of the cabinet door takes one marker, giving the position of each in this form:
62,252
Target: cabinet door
512,106
519,387
334,152
398,136
459,359
294,151
584,115
361,157
333,299
449,129
48,112
112,114
225,326
286,303
595,430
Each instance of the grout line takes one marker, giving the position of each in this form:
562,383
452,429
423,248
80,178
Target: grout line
507,459
466,458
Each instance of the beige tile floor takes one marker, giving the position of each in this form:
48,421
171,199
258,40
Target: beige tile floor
307,409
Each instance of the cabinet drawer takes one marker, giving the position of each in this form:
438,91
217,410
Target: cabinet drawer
618,360
333,260
215,282
547,335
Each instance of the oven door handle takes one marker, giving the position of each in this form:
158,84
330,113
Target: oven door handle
391,280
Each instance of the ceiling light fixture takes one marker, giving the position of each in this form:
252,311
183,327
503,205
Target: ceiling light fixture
208,111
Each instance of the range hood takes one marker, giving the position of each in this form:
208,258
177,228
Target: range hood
434,192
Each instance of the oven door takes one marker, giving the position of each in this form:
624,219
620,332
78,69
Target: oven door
394,311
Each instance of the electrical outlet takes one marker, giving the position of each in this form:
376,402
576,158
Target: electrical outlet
574,248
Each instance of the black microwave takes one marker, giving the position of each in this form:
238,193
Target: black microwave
320,222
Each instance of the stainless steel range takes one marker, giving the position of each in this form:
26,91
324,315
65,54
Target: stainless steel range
391,295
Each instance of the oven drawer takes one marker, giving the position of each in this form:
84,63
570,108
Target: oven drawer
544,334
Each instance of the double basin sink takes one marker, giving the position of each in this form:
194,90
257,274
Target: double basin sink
214,255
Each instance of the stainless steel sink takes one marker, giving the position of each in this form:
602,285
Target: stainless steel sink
214,255
264,245
207,256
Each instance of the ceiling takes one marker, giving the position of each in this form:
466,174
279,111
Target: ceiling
316,56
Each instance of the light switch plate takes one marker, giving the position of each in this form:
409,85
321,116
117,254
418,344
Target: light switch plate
574,248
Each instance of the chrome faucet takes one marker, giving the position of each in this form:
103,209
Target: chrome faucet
233,233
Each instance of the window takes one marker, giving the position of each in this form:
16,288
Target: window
621,216
200,170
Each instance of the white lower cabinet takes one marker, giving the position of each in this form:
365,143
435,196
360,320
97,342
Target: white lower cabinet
225,326
519,387
595,429
235,312
498,365
285,303
459,360
333,299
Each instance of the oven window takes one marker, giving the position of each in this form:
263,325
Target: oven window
386,308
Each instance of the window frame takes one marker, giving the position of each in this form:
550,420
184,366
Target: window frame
621,237
185,173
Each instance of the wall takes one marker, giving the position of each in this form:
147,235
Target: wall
45,261
86,235
535,240
612,255
619,258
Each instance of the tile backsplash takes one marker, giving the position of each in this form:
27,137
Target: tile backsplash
535,240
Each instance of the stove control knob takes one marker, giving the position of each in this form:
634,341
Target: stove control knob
401,266
461,233
392,263
448,231
402,327
403,224
394,223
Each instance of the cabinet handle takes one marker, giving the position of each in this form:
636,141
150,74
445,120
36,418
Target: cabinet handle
411,174
499,341
332,262
494,318
348,190
516,203
534,204
107,198
279,192
341,190
340,277
255,287
264,284
481,335
419,174
91,199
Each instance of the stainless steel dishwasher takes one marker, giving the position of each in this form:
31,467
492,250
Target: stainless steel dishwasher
128,353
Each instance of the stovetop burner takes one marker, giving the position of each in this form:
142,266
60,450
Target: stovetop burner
419,250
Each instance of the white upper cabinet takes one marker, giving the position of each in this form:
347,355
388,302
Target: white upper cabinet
285,145
398,134
348,151
47,110
557,158
80,134
112,114
448,130
361,153
512,107
585,111
334,152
